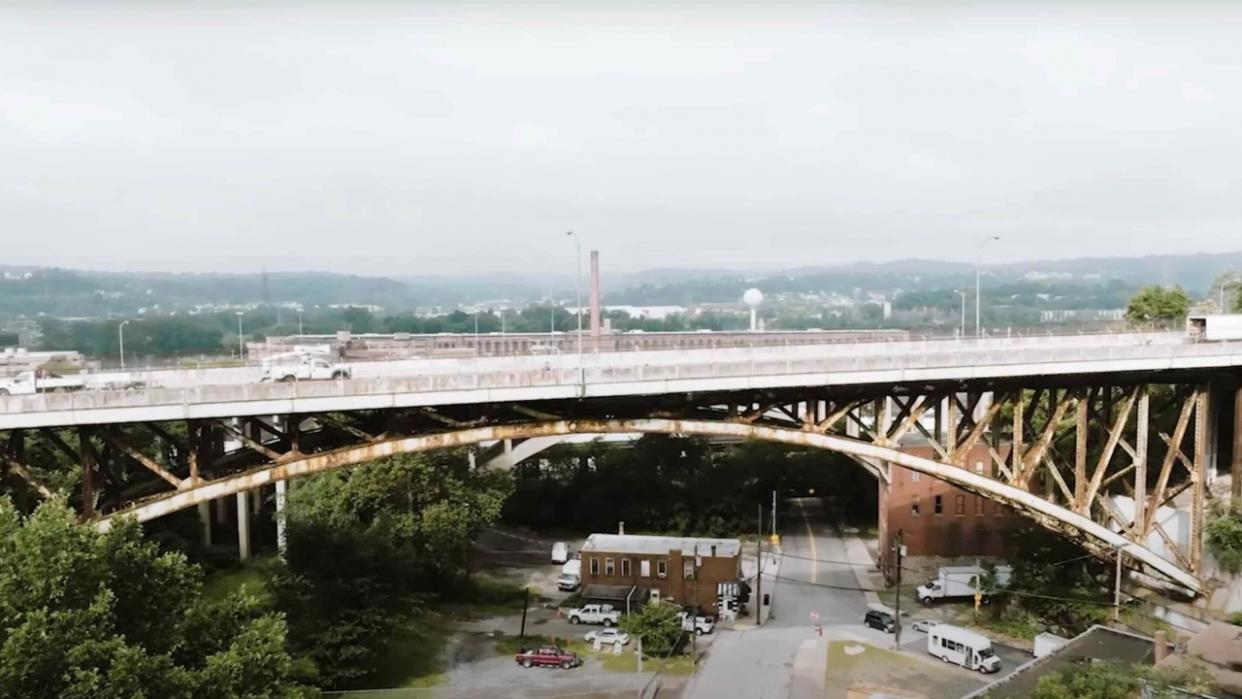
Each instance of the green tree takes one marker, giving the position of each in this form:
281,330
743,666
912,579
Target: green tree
368,544
88,614
1157,305
657,624
1224,536
1089,681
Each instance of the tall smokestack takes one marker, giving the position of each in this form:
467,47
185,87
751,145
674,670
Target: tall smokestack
595,328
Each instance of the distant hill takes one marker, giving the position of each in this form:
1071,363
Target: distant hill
28,291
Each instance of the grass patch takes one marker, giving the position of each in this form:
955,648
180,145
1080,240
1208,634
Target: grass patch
840,661
251,577
413,656
625,662
483,597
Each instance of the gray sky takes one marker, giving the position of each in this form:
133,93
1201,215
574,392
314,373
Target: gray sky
388,139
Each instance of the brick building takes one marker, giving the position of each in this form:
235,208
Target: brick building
938,519
683,570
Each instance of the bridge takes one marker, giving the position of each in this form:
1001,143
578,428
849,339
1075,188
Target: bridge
1068,422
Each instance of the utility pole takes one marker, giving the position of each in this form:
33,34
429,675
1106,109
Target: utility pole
1117,590
897,603
525,604
694,611
640,655
578,257
772,529
759,571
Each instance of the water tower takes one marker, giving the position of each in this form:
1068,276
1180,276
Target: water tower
752,298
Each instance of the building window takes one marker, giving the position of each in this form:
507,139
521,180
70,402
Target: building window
661,569
938,508
625,568
644,568
959,505
914,508
979,467
687,569
915,476
610,567
594,567
978,505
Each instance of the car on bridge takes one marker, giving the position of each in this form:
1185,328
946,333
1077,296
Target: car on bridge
548,656
307,370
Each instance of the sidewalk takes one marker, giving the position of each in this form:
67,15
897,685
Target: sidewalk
865,571
771,569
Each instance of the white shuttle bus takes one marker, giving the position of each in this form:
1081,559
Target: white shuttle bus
953,644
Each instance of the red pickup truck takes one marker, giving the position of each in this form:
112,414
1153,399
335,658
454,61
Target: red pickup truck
548,656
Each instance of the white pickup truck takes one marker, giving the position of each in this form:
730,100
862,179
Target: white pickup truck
308,370
595,614
29,382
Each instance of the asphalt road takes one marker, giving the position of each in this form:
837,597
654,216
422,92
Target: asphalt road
757,663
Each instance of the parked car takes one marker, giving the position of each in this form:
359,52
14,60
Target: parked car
699,625
560,552
607,637
548,656
880,620
925,625
595,614
568,582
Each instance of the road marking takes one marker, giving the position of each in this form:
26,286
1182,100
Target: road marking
811,536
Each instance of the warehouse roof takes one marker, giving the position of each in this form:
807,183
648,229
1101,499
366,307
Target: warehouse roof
661,545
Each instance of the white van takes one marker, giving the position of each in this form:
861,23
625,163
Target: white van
560,552
953,644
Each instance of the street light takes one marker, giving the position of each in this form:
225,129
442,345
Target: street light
241,347
578,250
961,293
978,297
120,334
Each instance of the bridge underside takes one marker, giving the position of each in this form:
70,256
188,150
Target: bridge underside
1058,451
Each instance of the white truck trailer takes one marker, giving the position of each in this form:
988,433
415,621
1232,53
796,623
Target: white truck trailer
960,581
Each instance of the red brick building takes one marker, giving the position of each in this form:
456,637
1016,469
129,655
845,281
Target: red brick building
938,519
683,570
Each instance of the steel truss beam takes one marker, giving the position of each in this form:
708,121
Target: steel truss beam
1059,454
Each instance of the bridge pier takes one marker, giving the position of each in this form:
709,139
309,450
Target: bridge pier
243,525
204,521
281,488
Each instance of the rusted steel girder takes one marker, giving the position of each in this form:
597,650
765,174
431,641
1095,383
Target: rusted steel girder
1095,537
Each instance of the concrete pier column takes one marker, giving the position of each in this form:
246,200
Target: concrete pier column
281,487
222,510
204,520
256,500
243,526
1235,485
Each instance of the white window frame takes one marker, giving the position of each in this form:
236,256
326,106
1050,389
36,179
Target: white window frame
644,568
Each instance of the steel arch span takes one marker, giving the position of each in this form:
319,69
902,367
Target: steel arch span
1093,536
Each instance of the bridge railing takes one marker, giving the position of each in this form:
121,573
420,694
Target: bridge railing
959,361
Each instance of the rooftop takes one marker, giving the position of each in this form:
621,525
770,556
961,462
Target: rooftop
1097,642
660,545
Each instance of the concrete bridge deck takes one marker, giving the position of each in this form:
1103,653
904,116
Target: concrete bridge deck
214,393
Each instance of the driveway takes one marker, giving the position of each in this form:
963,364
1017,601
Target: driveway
757,663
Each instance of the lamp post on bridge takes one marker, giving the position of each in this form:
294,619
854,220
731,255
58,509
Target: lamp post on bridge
959,292
578,309
241,346
120,336
978,287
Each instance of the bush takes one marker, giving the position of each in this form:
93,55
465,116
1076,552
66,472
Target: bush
1224,536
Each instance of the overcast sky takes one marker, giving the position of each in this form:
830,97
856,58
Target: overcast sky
391,139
